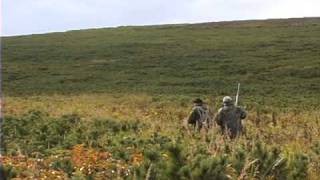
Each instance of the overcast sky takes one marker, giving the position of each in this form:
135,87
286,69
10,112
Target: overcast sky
40,16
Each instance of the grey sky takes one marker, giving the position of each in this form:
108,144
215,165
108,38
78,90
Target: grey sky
40,16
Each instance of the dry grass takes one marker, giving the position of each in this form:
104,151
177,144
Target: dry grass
291,131
282,127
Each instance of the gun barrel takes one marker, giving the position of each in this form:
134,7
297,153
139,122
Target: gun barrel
237,96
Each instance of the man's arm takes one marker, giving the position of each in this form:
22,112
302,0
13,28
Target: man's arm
218,118
243,113
192,117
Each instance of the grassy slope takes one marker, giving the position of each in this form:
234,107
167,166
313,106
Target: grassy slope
277,59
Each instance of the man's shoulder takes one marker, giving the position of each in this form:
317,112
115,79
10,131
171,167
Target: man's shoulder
196,108
221,110
228,109
199,107
239,108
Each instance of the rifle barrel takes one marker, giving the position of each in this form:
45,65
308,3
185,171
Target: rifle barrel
237,96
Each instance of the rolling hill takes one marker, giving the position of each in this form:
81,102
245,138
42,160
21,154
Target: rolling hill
111,103
274,59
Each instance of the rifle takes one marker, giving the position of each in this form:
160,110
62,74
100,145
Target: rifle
237,96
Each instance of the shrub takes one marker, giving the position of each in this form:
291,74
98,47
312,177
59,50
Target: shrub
64,165
7,172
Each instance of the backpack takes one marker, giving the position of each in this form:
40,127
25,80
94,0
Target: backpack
204,120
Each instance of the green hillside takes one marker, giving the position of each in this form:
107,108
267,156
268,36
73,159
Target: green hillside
271,58
111,103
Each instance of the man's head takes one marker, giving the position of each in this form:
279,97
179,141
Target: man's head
198,102
227,100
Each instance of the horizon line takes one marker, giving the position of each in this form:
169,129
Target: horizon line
149,25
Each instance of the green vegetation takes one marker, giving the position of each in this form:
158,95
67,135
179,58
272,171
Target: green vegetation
276,60
109,103
136,150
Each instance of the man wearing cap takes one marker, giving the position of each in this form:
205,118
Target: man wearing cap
229,118
199,117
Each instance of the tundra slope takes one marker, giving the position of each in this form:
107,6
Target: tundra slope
277,60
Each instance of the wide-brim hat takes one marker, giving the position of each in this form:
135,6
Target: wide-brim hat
198,101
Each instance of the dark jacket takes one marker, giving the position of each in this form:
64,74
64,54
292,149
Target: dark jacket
229,119
200,117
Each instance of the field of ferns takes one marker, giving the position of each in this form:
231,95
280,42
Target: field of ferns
103,136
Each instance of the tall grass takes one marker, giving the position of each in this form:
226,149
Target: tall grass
144,139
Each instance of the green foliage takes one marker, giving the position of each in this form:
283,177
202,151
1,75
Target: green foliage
269,161
165,157
36,132
7,172
208,167
278,59
64,165
299,167
176,163
153,155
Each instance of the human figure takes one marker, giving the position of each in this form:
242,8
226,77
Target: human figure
199,117
230,117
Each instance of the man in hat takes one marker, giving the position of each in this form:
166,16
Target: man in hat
199,117
229,118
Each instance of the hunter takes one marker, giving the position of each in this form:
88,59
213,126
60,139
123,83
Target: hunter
199,117
229,118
